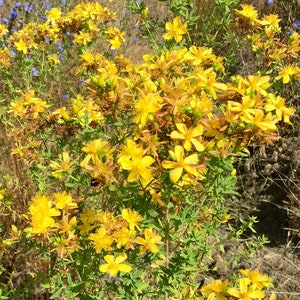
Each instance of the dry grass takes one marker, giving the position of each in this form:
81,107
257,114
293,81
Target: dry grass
283,266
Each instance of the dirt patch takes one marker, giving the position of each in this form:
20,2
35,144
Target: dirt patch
269,189
283,265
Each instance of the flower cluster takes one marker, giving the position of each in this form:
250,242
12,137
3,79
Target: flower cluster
82,111
28,106
248,285
116,232
262,34
179,114
81,26
55,218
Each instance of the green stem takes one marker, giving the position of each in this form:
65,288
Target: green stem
167,246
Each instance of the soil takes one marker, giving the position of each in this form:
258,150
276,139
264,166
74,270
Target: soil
269,189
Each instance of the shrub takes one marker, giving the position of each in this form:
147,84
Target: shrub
121,170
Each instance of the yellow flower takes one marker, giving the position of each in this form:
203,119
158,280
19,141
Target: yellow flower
21,46
82,38
122,237
5,57
67,225
271,20
188,136
101,240
92,26
131,149
198,55
114,266
54,14
175,30
259,119
149,243
100,170
205,79
63,115
114,31
271,25
286,73
201,105
28,106
2,193
248,12
64,201
245,291
63,166
257,84
145,12
53,59
215,289
257,279
115,43
132,217
3,30
181,163
65,246
108,220
287,112
41,214
18,150
94,149
87,58
275,103
115,37
246,104
145,107
156,197
139,169
272,297
87,218
85,227
188,293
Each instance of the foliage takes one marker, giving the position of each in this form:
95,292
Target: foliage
121,178
209,24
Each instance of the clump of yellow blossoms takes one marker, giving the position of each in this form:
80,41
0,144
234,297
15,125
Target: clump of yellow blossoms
249,285
262,34
54,217
83,23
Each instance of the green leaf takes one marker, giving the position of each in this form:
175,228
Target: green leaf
152,213
170,205
71,185
57,293
118,124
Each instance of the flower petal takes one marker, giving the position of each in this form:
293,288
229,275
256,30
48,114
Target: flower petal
176,135
167,164
179,153
181,127
120,258
109,259
175,174
125,268
192,159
